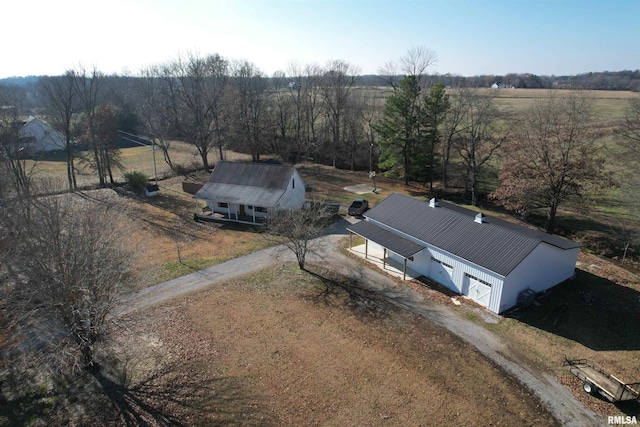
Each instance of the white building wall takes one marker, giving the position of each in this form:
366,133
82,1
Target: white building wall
546,266
460,267
422,263
293,197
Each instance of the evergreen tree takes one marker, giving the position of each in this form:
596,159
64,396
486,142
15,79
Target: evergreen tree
402,130
436,105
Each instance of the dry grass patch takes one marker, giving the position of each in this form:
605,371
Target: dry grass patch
301,353
594,317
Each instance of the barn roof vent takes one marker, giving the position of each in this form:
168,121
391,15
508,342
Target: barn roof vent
480,218
433,203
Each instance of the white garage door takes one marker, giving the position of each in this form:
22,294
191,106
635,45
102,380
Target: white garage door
442,273
478,290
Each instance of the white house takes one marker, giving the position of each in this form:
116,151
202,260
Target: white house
487,259
248,192
38,136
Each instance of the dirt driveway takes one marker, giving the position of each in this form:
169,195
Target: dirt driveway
556,397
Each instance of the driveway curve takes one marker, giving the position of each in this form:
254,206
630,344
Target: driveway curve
560,402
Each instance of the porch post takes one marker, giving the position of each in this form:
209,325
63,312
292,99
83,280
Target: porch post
384,258
366,248
404,275
350,240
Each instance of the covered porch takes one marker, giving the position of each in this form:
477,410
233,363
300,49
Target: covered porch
386,242
229,212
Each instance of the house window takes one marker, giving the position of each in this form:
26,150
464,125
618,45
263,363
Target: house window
479,280
223,205
249,207
261,209
440,262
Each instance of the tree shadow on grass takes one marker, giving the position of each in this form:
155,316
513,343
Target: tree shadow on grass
178,395
362,300
591,310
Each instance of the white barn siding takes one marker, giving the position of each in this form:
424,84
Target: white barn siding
422,263
539,265
293,197
460,267
546,266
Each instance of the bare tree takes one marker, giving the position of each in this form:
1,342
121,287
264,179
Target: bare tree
296,229
13,152
553,156
371,114
282,118
355,136
312,106
337,84
155,110
628,132
106,119
88,85
61,99
69,263
451,127
479,137
197,87
250,118
415,62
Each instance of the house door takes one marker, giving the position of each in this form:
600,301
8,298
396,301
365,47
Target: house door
477,290
242,210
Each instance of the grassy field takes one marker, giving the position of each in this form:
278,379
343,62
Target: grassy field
132,159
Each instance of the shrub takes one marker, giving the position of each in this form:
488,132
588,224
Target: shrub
136,180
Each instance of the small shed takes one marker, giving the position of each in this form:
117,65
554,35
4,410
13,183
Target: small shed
151,190
489,260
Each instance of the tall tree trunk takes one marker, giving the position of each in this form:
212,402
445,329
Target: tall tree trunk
203,156
551,216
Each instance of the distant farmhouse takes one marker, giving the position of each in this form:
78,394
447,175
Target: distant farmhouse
248,192
489,260
37,136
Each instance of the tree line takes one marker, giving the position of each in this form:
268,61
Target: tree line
413,127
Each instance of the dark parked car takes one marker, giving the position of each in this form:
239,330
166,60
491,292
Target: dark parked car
358,207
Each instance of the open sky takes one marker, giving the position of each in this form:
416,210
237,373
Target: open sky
469,37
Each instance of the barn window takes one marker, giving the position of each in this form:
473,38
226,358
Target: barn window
223,205
479,280
440,262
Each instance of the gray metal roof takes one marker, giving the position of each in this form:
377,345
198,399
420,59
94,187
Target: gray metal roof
497,245
398,244
256,184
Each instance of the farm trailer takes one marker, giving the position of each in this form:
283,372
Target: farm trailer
597,381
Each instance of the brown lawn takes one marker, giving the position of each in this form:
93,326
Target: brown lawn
275,349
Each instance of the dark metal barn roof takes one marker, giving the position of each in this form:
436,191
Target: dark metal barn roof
494,244
398,244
